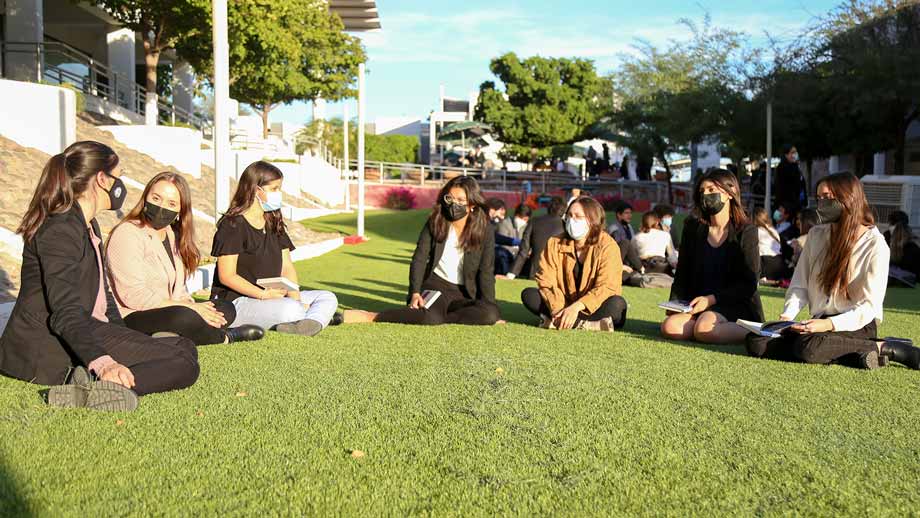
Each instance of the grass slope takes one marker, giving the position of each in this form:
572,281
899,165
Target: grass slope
477,421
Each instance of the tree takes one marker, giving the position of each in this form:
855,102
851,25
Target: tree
283,51
547,102
162,24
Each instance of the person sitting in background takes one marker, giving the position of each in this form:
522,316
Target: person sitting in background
252,243
719,266
842,278
772,265
905,253
579,279
805,221
455,256
896,217
506,240
536,234
622,232
666,217
151,255
513,229
654,246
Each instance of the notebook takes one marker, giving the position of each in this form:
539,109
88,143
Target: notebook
430,296
278,283
772,329
678,306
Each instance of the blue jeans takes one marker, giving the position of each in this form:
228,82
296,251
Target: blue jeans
318,305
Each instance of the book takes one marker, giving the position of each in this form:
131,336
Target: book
278,283
677,306
772,329
430,296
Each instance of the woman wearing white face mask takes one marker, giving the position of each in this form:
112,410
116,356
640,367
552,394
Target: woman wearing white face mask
251,243
579,283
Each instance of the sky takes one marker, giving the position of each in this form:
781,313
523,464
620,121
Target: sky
424,44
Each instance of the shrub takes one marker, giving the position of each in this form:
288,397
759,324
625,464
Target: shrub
400,198
608,200
392,148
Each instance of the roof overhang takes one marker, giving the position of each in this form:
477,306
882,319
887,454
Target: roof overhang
357,15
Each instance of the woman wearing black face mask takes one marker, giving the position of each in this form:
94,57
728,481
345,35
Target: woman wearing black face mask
65,326
455,256
151,255
719,266
842,276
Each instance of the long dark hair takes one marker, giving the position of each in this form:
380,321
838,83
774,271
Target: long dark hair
476,224
258,174
597,218
848,191
728,182
184,226
65,177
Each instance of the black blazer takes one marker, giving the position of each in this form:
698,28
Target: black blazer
50,327
478,265
536,235
738,295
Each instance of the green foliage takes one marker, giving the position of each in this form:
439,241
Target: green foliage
392,148
546,102
282,51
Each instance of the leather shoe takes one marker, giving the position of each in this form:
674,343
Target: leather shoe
245,333
337,319
900,350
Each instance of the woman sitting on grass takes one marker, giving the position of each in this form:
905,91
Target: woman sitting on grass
719,266
251,243
579,282
654,246
769,245
842,277
151,254
455,256
65,326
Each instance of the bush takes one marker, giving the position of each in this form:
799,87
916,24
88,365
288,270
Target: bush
608,200
400,198
398,149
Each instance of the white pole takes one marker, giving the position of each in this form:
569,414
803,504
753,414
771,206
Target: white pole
769,179
361,99
345,152
221,104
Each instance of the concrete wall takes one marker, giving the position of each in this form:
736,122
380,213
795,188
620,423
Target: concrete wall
178,147
96,105
38,116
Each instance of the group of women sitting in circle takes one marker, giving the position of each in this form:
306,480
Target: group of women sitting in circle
115,322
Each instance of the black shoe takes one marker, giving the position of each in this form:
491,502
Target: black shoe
337,319
79,376
900,350
245,333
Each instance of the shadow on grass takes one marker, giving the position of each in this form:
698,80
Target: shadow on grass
402,226
393,296
402,288
395,259
12,502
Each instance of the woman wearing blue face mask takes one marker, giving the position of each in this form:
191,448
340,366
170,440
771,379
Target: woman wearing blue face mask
719,266
579,283
251,243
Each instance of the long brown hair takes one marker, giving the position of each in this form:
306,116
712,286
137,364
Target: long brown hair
728,182
258,174
65,177
901,235
476,224
183,227
650,220
762,220
597,218
847,190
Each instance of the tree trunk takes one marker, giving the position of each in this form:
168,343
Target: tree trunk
667,171
899,148
151,60
265,109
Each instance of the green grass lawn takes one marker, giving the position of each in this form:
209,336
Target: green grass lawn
509,420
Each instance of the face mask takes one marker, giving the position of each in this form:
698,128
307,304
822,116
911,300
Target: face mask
711,204
454,211
777,215
272,201
666,221
795,157
496,220
159,217
576,228
519,223
117,193
829,211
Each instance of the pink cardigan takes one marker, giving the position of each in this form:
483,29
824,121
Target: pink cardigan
141,274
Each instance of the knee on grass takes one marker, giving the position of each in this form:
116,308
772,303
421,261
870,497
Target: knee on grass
290,311
705,327
676,328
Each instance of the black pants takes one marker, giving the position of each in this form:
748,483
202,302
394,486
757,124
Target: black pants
158,364
773,267
842,347
454,306
183,321
614,307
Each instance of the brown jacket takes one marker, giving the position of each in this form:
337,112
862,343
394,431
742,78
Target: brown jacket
601,278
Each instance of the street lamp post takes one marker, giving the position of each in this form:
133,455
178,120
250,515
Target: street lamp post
361,99
221,104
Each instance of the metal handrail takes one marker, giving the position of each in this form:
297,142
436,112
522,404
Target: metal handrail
98,80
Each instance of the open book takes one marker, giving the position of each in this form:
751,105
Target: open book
678,306
430,296
772,329
278,283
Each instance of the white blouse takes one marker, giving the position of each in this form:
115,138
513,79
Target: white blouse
450,267
868,281
654,243
768,242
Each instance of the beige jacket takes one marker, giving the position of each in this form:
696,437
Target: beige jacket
140,271
601,278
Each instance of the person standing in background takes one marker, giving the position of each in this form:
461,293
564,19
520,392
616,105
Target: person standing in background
789,186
